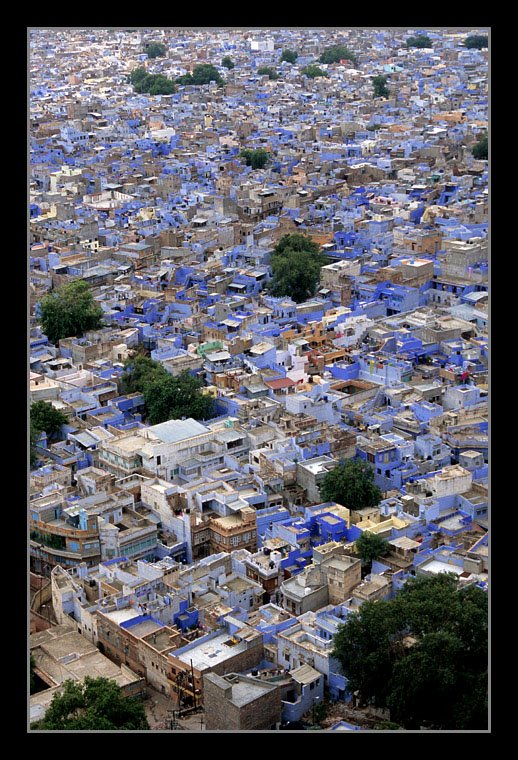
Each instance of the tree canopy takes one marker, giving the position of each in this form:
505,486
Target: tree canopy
477,41
203,73
337,53
351,483
380,87
46,418
139,371
481,148
296,262
151,84
97,704
69,310
289,55
267,71
370,546
312,71
166,397
257,158
419,41
138,74
43,418
227,62
422,654
155,50
176,397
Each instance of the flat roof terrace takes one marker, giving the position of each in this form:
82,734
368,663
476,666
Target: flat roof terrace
144,628
212,652
244,692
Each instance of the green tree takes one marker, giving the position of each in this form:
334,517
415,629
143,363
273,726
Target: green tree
155,50
144,84
289,55
185,79
227,62
152,84
137,75
176,397
98,704
481,148
69,310
296,262
257,158
267,71
351,483
204,73
477,41
337,53
44,417
370,546
422,654
296,242
419,41
295,274
366,646
166,397
312,71
161,85
380,87
140,371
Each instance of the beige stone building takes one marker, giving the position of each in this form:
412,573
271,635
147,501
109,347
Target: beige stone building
240,703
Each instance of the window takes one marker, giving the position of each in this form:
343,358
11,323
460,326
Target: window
159,461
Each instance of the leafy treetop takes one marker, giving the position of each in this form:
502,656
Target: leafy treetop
69,311
203,73
312,71
97,704
380,87
477,41
267,71
46,418
351,483
419,41
422,654
166,397
151,84
370,546
257,158
228,63
296,262
481,149
289,55
155,50
337,53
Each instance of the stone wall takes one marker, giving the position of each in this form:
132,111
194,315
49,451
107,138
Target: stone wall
221,714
